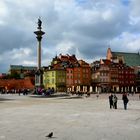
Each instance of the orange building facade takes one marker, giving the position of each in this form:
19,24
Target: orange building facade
78,78
10,85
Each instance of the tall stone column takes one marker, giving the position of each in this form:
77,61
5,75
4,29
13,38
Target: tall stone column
38,75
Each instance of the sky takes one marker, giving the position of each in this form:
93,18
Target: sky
85,28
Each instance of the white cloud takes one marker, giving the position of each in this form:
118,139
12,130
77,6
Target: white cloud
3,12
135,8
3,9
20,53
83,28
64,47
127,42
31,63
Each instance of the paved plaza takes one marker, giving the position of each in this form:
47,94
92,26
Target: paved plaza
68,117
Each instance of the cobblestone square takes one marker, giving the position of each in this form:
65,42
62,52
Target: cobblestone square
68,117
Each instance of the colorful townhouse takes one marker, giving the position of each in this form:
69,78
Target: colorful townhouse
78,76
68,74
130,70
55,78
112,77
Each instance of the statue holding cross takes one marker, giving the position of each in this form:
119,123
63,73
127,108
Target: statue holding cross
39,23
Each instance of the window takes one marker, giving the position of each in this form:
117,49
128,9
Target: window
63,80
84,70
52,74
53,81
48,81
78,75
84,76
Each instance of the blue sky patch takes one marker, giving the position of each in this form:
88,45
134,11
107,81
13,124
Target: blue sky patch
125,2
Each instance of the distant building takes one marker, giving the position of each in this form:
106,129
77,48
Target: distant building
25,81
131,60
22,70
108,76
8,85
2,75
126,78
105,77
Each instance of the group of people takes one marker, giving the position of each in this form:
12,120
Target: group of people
113,101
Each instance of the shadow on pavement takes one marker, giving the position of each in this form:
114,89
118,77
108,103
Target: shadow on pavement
60,96
3,99
49,96
75,97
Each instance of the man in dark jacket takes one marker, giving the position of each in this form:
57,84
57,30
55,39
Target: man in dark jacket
125,100
111,101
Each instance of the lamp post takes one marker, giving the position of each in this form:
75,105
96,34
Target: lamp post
38,75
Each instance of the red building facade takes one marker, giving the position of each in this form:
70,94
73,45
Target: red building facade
126,78
78,77
113,77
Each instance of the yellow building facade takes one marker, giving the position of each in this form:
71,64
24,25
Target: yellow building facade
55,79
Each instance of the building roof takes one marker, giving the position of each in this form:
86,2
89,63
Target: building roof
130,59
67,58
19,67
58,67
83,63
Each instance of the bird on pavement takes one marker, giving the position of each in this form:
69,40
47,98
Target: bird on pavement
50,135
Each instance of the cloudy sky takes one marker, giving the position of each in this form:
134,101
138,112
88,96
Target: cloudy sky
85,28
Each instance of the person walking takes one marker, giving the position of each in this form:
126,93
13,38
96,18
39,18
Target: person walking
111,100
125,100
115,99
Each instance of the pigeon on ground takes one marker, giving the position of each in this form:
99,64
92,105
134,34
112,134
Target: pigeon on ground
50,135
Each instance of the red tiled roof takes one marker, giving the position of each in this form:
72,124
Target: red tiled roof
67,58
83,63
107,62
58,66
